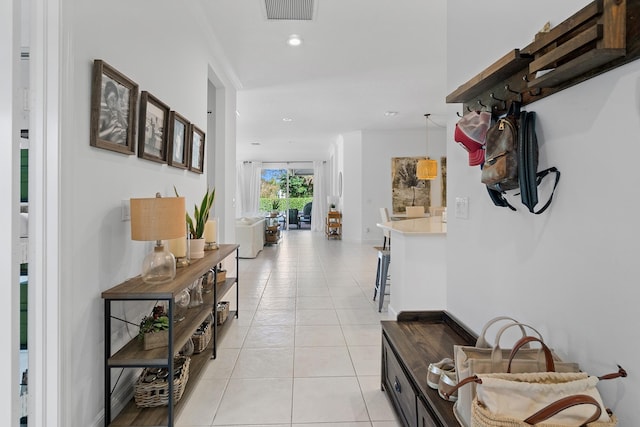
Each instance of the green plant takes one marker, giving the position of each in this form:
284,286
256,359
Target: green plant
200,215
157,321
275,204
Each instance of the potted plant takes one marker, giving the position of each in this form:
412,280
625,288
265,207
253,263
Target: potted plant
275,206
197,223
154,329
332,206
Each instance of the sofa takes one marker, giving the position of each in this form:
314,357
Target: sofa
250,236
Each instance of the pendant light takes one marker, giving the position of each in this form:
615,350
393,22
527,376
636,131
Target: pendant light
427,168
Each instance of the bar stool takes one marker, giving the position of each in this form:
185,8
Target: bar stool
384,258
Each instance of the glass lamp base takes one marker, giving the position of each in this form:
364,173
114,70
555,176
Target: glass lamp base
159,266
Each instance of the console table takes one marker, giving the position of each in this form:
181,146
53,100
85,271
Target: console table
409,344
132,354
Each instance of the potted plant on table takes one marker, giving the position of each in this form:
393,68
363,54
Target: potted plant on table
275,206
154,329
197,223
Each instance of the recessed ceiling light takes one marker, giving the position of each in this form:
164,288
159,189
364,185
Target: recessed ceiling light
390,113
294,40
287,119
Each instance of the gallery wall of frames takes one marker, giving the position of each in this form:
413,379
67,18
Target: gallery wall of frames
163,135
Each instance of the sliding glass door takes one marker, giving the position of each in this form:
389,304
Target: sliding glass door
285,192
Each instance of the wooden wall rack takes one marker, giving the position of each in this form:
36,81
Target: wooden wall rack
602,36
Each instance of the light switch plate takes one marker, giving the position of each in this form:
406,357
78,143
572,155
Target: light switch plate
462,207
126,211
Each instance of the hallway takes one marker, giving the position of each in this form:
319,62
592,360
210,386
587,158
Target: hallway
306,346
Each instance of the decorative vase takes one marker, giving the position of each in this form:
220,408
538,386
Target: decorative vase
196,248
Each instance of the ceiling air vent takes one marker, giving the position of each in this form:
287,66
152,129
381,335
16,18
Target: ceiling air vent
298,10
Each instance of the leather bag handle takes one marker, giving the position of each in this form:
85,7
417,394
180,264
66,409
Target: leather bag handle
496,354
468,380
510,325
548,357
562,404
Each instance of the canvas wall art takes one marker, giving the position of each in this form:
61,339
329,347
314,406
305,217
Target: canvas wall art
407,189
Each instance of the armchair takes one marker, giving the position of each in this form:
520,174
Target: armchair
305,217
293,218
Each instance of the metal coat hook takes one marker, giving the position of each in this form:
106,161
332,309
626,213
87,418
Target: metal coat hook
508,89
504,102
458,114
469,109
481,104
538,93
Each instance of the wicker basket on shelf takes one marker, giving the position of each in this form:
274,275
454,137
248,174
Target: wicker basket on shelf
202,336
152,390
222,312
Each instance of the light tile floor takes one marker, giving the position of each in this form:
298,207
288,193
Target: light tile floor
306,347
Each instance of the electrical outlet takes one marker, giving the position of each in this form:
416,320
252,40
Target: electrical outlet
125,210
462,207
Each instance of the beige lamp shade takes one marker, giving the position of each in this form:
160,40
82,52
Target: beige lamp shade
427,169
158,218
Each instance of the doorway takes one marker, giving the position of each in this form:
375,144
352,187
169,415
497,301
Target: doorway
285,192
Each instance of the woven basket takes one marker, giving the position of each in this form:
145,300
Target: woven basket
156,392
222,312
202,336
482,417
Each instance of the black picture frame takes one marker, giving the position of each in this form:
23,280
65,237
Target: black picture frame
152,134
196,150
114,97
178,141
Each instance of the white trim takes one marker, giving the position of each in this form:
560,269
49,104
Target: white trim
9,212
44,328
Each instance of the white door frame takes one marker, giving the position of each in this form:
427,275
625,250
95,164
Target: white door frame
46,385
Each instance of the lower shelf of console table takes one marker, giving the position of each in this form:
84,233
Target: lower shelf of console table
409,344
131,415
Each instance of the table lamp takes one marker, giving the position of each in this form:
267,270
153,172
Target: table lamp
158,218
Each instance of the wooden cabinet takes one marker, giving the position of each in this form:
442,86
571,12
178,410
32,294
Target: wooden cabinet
333,225
132,354
409,344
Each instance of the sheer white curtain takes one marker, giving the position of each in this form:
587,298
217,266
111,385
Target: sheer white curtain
319,207
248,189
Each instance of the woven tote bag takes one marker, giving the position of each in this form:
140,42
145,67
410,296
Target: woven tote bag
485,358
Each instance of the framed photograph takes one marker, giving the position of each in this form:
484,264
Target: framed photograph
113,109
179,128
196,162
152,134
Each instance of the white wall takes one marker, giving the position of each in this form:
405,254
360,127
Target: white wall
351,165
570,271
168,56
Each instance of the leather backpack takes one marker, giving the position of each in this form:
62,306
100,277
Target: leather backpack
500,170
